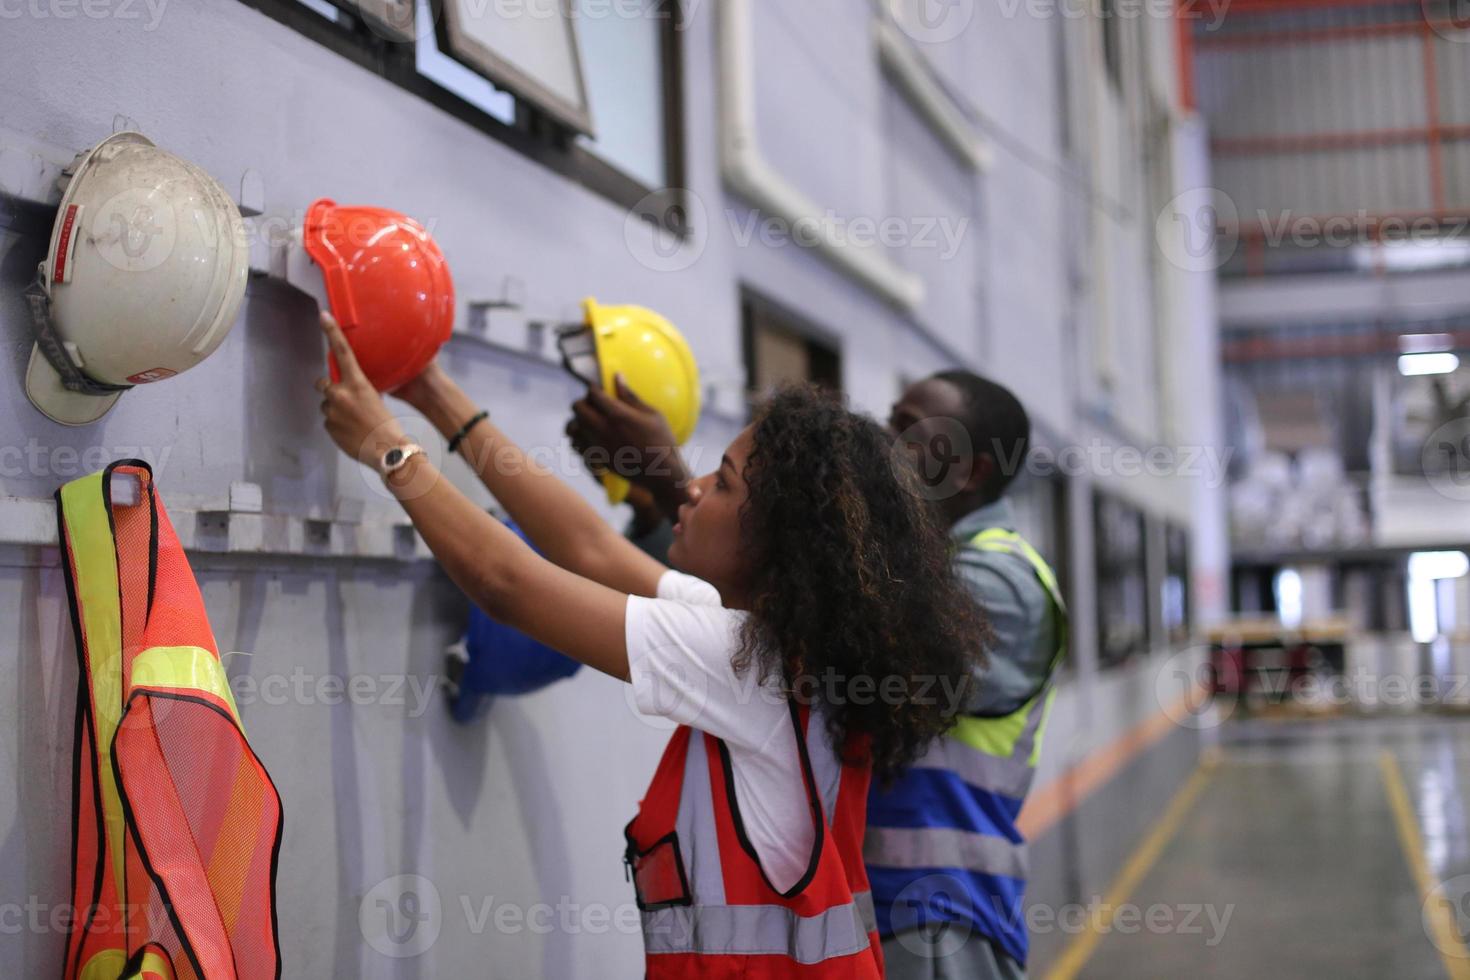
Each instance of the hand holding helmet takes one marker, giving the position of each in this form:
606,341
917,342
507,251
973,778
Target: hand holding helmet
636,354
353,412
388,285
622,435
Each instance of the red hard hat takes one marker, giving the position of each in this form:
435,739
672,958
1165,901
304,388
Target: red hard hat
389,287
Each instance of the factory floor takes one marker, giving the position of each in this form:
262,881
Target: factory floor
1330,848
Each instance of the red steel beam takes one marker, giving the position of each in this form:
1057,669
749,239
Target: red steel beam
1275,348
1350,140
1371,225
1184,48
1326,35
1431,113
1248,8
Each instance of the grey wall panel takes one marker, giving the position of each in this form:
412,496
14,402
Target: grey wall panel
1285,187
1452,60
1306,88
1457,175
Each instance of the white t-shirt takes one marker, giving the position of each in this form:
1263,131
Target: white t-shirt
679,650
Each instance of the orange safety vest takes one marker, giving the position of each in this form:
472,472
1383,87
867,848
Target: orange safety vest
708,910
176,824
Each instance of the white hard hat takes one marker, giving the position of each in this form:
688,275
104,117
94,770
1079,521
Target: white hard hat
143,279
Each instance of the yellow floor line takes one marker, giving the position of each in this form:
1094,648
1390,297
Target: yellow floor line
1139,863
1438,915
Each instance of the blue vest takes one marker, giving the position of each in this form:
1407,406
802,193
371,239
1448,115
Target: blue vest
942,844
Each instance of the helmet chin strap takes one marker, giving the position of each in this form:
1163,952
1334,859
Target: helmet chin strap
43,327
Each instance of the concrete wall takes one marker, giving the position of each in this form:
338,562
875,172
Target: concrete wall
528,807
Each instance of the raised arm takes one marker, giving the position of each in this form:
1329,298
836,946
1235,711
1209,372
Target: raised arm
561,523
513,584
635,440
564,526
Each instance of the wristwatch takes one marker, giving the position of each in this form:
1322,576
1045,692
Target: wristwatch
397,458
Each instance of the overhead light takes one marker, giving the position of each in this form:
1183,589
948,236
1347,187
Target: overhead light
1426,569
1425,343
1441,362
1289,597
1412,255
1438,564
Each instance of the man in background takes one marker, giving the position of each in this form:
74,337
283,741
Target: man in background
945,857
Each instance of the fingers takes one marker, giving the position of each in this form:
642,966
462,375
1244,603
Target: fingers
322,384
600,400
576,434
586,415
626,394
341,349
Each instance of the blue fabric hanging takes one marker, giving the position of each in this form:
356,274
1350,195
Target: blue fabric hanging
503,660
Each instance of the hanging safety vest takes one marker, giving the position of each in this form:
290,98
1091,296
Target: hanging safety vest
177,827
708,910
942,844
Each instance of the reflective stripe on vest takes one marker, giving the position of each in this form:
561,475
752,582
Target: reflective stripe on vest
759,929
973,781
173,813
704,895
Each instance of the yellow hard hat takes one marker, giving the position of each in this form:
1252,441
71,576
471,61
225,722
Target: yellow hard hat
650,354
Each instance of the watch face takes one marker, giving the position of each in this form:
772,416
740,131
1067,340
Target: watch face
393,457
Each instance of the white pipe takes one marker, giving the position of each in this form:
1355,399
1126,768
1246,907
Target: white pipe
749,175
929,97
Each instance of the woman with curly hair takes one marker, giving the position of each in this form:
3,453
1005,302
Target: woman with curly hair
813,637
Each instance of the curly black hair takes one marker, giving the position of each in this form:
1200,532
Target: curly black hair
855,604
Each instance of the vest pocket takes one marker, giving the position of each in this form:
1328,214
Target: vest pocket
658,874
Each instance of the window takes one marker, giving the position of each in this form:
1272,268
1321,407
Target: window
1122,580
592,90
626,80
1040,507
530,49
781,347
1174,590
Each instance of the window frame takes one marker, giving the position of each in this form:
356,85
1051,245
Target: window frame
824,347
1107,567
535,134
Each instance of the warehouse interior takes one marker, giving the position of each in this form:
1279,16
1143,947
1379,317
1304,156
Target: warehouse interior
1219,250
